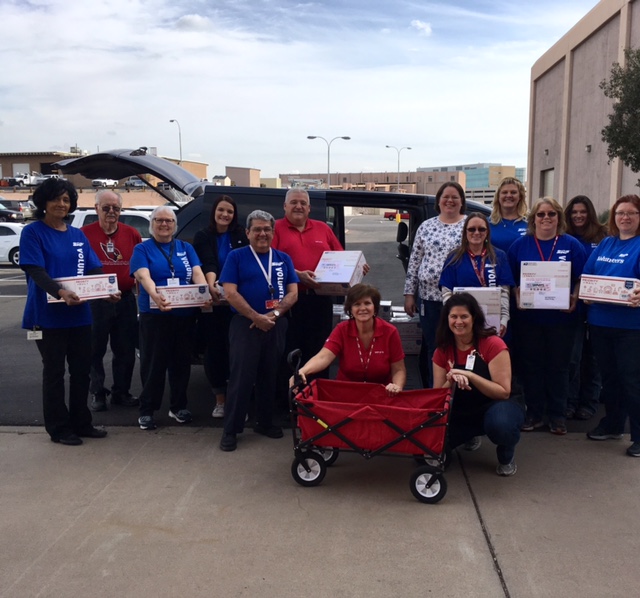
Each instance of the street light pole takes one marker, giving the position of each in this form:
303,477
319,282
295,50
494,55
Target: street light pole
173,120
328,153
398,150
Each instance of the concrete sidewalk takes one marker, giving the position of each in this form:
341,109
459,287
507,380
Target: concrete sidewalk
166,513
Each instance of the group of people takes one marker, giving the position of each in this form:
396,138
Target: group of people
264,304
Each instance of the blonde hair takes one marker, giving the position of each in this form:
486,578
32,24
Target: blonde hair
562,221
496,215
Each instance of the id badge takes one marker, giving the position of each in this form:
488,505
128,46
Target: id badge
173,282
34,335
110,247
471,360
271,303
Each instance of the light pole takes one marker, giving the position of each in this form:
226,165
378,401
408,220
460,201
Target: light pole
328,153
398,150
173,120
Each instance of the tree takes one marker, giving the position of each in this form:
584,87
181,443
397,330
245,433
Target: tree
622,134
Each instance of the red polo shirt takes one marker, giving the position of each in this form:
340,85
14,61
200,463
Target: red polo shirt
385,350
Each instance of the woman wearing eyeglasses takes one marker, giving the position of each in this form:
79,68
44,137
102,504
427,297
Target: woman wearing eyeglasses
544,337
166,333
615,328
477,263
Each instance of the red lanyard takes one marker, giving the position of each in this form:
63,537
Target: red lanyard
540,248
479,271
365,366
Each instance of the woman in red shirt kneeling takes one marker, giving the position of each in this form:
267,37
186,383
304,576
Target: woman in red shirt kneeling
369,348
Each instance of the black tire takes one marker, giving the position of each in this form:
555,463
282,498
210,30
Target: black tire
330,455
391,218
426,486
14,256
308,469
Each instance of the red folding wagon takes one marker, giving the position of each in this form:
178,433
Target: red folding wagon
329,416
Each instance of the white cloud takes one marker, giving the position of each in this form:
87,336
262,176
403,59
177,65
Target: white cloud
422,27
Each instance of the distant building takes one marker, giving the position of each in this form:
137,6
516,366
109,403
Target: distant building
568,110
271,182
243,177
221,181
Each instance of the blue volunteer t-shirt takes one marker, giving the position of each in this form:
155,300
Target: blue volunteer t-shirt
506,232
614,257
462,273
61,254
148,255
242,269
567,249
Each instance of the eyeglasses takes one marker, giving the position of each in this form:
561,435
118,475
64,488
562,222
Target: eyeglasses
258,230
107,209
164,220
627,214
479,229
544,214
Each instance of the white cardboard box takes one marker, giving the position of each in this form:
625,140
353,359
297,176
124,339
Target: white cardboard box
607,289
338,271
95,286
188,295
545,285
410,334
489,300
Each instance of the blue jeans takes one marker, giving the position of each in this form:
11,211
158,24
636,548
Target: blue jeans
429,318
501,423
616,350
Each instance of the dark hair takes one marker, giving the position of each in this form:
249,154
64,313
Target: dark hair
458,188
50,189
594,232
460,252
212,218
613,227
444,336
361,291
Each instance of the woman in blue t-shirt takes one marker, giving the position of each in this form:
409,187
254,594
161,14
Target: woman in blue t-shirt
213,244
584,376
615,327
544,337
508,220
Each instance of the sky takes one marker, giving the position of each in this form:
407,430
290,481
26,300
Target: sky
249,80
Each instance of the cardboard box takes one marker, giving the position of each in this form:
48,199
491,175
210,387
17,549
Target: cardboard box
410,334
607,289
96,286
545,285
338,271
188,295
489,300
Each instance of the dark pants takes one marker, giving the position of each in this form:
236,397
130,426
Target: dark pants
616,350
545,353
216,354
501,423
117,323
72,345
584,374
429,318
254,357
165,347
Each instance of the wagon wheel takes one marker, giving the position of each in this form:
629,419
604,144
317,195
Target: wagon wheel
329,454
426,486
308,469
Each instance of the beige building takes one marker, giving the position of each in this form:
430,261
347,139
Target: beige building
568,111
243,177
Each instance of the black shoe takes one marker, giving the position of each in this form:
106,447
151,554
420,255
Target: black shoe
99,400
228,442
269,432
69,439
126,400
91,432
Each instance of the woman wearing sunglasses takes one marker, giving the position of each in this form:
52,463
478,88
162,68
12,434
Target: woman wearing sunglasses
544,337
477,263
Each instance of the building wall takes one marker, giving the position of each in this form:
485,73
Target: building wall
243,177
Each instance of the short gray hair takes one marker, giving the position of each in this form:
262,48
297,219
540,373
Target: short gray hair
297,190
260,215
100,194
157,211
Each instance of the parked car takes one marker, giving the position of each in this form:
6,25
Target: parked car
104,183
391,215
7,215
134,182
10,242
30,180
138,219
19,205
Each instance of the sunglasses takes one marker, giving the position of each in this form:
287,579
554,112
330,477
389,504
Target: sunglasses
479,229
544,214
107,209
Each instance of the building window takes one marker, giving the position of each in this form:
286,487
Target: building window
344,179
453,178
430,179
546,182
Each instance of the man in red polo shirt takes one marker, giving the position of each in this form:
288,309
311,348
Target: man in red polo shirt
113,243
305,240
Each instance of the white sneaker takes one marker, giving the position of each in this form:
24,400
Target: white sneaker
218,411
506,469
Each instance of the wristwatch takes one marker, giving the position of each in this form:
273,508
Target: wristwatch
276,313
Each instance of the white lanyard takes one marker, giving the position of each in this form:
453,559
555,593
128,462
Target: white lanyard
267,277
